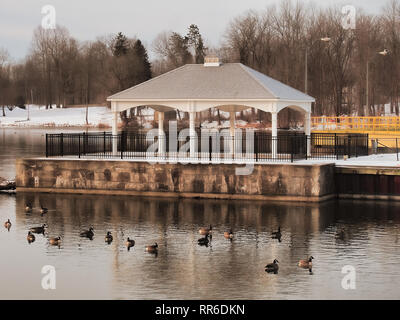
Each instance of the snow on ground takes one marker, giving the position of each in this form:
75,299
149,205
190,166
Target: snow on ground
375,160
61,117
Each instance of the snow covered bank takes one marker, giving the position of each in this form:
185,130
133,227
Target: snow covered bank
374,160
68,117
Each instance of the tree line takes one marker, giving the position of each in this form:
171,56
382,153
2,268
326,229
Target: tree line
282,41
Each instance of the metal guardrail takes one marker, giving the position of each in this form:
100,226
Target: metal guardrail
384,123
261,147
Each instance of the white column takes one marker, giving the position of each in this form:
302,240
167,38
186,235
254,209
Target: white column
161,134
307,131
274,134
232,131
115,133
192,132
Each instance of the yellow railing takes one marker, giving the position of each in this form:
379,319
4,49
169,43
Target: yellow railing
356,123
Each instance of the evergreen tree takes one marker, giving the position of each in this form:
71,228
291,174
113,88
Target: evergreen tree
195,39
140,53
120,45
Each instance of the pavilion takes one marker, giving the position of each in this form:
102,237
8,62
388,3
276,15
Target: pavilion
230,87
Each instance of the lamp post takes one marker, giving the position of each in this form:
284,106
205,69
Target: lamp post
383,53
324,39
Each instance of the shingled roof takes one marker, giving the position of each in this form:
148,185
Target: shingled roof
197,82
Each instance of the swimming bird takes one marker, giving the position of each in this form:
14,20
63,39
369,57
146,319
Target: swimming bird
43,210
340,234
129,243
7,224
30,237
55,241
28,208
204,241
87,233
272,267
205,231
38,229
228,234
153,248
277,234
108,238
306,263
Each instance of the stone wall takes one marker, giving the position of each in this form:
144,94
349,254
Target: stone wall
273,181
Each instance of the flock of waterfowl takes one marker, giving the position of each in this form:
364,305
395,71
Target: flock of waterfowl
272,267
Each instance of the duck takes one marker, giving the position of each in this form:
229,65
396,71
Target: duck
205,231
306,263
228,234
277,234
43,210
129,243
204,241
153,248
38,229
272,267
87,233
30,237
28,208
7,224
108,238
340,234
55,241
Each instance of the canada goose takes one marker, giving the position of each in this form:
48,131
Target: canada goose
55,241
108,238
7,224
30,237
38,229
228,234
340,234
129,243
204,231
204,241
43,210
277,234
153,248
28,208
272,267
306,263
87,233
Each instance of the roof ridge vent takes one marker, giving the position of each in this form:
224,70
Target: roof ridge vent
212,61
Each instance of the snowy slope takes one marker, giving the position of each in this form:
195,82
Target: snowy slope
68,117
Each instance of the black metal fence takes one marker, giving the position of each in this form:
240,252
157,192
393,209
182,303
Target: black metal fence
211,146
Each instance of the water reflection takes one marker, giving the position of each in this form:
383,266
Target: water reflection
182,269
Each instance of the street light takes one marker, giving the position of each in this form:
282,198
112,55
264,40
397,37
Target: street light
324,39
385,52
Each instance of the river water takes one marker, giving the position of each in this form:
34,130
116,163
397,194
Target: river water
92,269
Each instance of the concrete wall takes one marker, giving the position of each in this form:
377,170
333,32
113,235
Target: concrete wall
288,182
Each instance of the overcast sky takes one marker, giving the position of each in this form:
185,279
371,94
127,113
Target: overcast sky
87,19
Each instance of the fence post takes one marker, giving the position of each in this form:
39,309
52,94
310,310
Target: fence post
357,146
122,145
291,139
62,144
336,150
79,145
84,143
47,145
210,146
104,143
256,145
